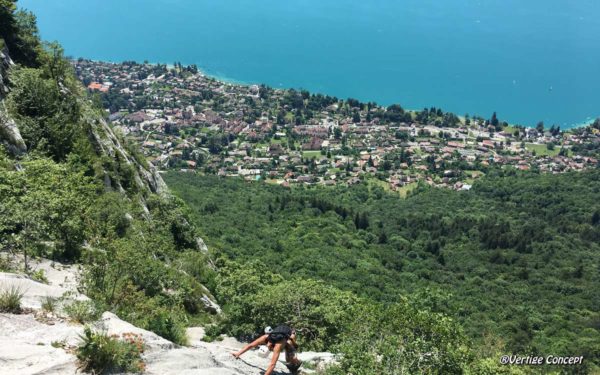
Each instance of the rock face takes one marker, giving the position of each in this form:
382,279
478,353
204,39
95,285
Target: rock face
10,135
112,325
62,281
26,346
9,132
5,64
208,359
107,143
32,344
200,245
34,292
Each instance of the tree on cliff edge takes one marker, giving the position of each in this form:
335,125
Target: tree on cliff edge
19,31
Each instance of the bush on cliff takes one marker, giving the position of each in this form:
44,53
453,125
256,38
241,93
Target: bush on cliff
100,353
398,339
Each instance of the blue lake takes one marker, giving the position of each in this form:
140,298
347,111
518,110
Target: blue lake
528,60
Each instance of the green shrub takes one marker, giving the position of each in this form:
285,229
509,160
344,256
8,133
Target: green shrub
258,299
4,263
107,217
317,311
493,366
82,312
39,276
157,314
100,353
399,339
212,333
10,300
49,304
59,344
169,325
197,265
52,198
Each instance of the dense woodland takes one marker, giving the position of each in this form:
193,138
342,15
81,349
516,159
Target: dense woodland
440,283
515,260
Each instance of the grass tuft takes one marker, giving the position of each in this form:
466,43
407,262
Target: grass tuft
39,276
49,304
82,312
10,300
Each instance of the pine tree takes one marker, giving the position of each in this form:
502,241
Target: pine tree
494,120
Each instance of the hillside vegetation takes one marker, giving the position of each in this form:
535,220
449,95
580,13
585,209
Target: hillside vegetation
78,195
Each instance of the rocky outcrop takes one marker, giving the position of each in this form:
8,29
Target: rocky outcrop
112,325
9,133
201,245
107,143
28,346
210,305
34,292
62,283
5,64
34,344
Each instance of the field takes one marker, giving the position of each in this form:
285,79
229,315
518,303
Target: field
542,150
311,154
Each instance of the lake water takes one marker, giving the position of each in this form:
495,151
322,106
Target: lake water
528,60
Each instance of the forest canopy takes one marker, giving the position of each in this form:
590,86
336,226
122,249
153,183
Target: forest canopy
515,260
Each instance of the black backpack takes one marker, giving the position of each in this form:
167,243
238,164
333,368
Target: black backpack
279,334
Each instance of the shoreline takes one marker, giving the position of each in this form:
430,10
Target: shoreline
231,81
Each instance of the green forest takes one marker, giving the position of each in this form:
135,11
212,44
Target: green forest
515,261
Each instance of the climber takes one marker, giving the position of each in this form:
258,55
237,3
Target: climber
281,338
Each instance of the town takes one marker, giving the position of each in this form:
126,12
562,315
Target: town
185,120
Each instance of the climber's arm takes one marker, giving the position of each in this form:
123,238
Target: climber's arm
259,341
276,353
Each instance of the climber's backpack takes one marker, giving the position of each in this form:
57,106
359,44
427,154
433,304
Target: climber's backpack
279,334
